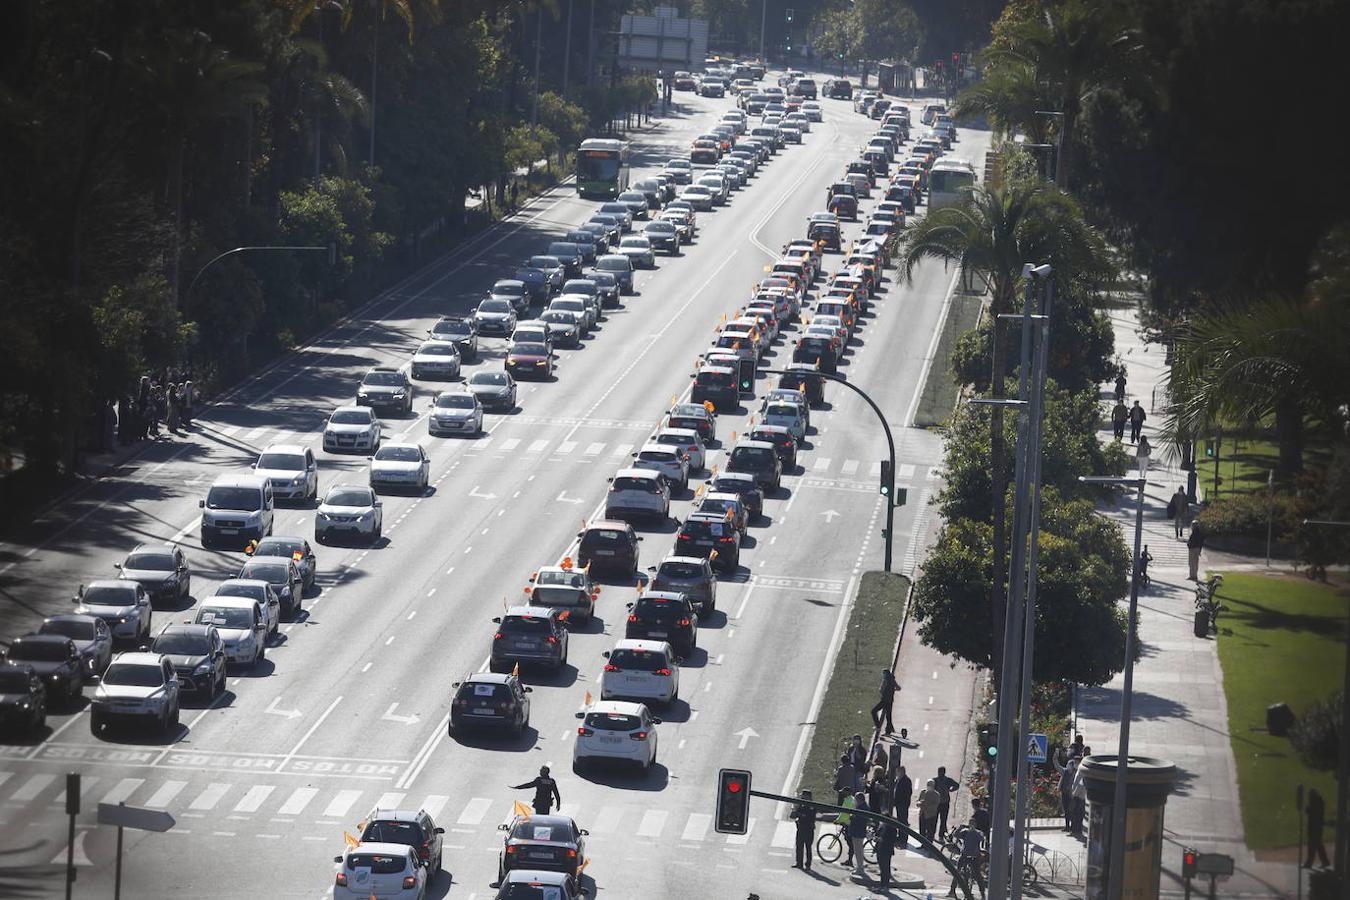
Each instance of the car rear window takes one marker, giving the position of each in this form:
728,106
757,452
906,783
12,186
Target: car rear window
163,562
657,456
604,536
659,607
701,528
377,863
384,831
39,651
781,409
527,830
479,691
526,625
643,485
641,660
182,644
715,379
752,456
681,570
71,628
612,721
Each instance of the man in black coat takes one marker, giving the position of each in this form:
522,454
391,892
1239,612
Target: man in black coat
901,798
545,792
806,832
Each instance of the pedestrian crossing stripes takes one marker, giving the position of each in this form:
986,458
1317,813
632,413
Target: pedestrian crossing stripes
164,796
124,789
208,798
255,798
297,802
697,827
30,789
474,812
653,823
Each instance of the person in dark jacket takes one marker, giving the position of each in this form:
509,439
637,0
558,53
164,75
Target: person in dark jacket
885,850
945,787
901,798
1316,810
805,817
1137,417
545,792
882,711
844,778
1194,544
857,833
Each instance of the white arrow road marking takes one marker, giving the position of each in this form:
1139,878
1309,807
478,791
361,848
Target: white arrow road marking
480,496
389,714
563,498
288,713
745,734
830,515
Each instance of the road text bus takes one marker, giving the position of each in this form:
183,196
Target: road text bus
602,168
948,181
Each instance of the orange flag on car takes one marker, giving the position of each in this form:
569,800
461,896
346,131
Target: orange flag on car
520,809
351,839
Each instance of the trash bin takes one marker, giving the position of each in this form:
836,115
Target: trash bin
1201,623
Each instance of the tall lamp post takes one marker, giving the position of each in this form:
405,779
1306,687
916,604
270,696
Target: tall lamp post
1117,856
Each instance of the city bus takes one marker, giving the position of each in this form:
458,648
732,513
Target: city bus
948,181
602,167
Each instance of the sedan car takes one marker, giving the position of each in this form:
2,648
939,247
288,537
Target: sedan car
528,635
563,328
371,869
404,466
23,699
124,606
636,201
527,359
460,331
351,428
639,250
689,575
297,548
162,569
455,412
549,843
608,546
621,211
566,589
683,220
386,388
283,575
615,731
495,316
620,266
55,660
436,359
662,233
494,390
92,638
554,269
489,700
197,653
717,186
292,471
349,509
579,307
698,196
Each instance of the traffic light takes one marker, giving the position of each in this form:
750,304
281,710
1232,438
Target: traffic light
733,801
887,479
939,64
1189,858
1209,449
789,15
956,59
989,743
747,384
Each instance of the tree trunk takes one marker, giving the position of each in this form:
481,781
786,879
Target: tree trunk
1289,435
998,479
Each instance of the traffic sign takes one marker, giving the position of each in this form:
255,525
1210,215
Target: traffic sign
134,817
1038,746
1214,864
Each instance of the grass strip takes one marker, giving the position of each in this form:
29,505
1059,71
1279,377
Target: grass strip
940,389
1281,640
868,647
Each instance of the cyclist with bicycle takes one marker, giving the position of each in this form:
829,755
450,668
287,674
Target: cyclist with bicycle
970,862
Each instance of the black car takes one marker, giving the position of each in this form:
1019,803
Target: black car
162,569
296,548
562,328
198,656
839,89
816,352
411,828
462,332
826,233
54,659
799,377
490,700
716,385
23,698
386,388
546,843
283,574
689,575
608,546
513,291
758,459
744,486
528,635
781,438
664,616
711,536
570,255
537,288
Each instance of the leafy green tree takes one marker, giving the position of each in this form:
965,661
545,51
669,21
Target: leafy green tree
1008,96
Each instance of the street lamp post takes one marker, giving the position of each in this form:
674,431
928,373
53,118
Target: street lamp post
1117,855
763,19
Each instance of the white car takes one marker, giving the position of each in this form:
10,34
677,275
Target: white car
811,109
495,317
617,731
799,121
349,509
641,670
639,250
254,589
400,466
698,196
637,493
352,428
455,412
789,415
436,359
242,625
686,440
716,185
124,605
379,870
291,469
671,462
137,686
578,307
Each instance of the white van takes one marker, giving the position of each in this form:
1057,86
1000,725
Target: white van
237,508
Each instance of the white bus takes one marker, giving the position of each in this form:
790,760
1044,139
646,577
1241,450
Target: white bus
948,181
602,167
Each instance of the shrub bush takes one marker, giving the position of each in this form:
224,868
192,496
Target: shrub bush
1317,733
1245,515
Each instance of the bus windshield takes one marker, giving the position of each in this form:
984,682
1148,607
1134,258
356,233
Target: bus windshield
597,165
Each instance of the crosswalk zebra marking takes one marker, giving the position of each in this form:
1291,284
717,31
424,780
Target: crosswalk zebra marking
122,790
164,796
32,787
340,804
696,829
474,811
254,798
653,822
296,803
208,798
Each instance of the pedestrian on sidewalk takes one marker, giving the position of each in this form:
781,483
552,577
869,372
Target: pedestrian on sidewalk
928,810
171,403
189,400
1141,455
878,785
843,778
1079,801
945,787
979,818
1317,815
857,834
1177,509
1120,387
857,757
1076,748
805,817
882,710
1120,414
885,851
1066,777
901,797
1194,544
1137,417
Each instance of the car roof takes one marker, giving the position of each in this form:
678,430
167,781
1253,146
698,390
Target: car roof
17,667
247,582
82,618
378,848
663,595
609,525
682,432
35,638
139,658
487,678
229,602
647,474
284,448
187,628
394,815
273,560
540,876
773,429
622,707
695,560
652,446
721,370
758,445
119,583
635,644
538,612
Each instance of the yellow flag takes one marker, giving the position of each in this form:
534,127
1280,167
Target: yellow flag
515,671
351,839
520,809
588,698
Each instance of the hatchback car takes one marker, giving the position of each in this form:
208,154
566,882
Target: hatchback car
784,444
292,471
489,700
282,574
400,466
744,486
198,657
792,416
138,687
711,535
242,624
297,548
410,827
638,249
92,638
351,428
537,884
716,385
578,310
641,670
608,546
528,635
664,234
530,359
552,843
689,575
436,359
636,201
615,731
23,699
664,616
460,331
694,416
162,569
637,493
455,412
387,388
494,390
729,506
495,317
758,459
123,605
349,509
619,266
566,589
379,870
670,462
56,661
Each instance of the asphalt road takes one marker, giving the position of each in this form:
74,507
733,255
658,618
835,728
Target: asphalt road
349,709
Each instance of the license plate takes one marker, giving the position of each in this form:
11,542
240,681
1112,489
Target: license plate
658,634
229,531
482,712
606,739
604,553
540,854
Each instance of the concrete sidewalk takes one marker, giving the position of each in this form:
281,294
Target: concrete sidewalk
1180,712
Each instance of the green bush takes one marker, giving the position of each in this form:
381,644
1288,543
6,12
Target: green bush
1317,733
1245,515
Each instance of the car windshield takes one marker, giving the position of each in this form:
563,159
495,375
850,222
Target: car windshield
272,573
350,497
559,317
287,462
782,409
612,721
580,286
225,617
639,243
398,454
351,417
455,401
603,279
183,644
74,629
438,350
702,528
525,625
240,498
661,456
494,306
544,262
164,562
109,596
648,607
133,675
603,536
661,227
12,682
758,457
717,506
453,328
568,305
383,831
497,379
39,651
377,863
390,379
529,349
707,378
526,830
573,579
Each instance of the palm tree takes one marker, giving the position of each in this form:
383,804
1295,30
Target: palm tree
993,233
1009,96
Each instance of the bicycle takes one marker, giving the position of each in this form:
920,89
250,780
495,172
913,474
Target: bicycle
831,845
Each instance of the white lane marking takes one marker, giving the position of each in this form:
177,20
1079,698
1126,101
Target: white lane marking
784,834
474,811
696,829
340,804
622,450
254,798
164,796
653,821
822,464
566,448
537,447
32,787
743,838
123,790
906,472
510,444
850,466
297,801
208,798
608,820
309,733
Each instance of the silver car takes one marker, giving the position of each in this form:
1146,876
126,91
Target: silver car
436,359
124,606
716,185
495,317
639,249
637,493
455,412
787,415
621,211
404,466
687,440
291,469
349,509
670,462
620,266
352,428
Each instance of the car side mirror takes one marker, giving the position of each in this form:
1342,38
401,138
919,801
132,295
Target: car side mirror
656,721
497,619
527,689
639,537
337,859
581,715
628,605
201,504
605,654
117,565
379,504
584,832
440,831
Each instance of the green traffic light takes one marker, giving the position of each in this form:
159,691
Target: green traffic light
992,751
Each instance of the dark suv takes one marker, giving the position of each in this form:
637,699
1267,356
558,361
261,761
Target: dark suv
527,635
23,698
385,387
609,546
839,89
410,828
760,460
54,659
664,616
690,575
490,699
712,536
198,656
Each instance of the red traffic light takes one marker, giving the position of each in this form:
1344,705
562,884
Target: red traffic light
734,787
733,801
1189,858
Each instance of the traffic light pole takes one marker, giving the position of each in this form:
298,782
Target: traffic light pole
888,470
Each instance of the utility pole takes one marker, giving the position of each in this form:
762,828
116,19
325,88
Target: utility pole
538,34
590,48
567,49
374,80
763,19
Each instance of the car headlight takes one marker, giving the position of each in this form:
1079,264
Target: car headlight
202,669
398,393
25,705
370,513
